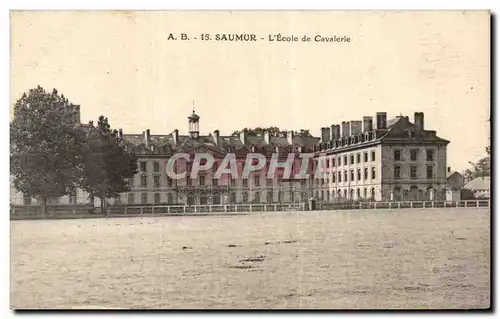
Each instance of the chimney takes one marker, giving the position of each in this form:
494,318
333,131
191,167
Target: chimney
419,120
332,133
367,123
346,129
267,137
216,137
289,137
381,120
175,135
243,137
325,134
356,127
147,137
337,131
120,133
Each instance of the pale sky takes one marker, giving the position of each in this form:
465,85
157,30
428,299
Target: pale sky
121,65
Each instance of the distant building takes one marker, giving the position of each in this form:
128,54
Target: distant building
480,187
455,183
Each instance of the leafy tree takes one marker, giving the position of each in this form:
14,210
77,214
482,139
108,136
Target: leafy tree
107,166
45,144
273,130
479,169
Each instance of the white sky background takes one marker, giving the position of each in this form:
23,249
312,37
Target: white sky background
121,65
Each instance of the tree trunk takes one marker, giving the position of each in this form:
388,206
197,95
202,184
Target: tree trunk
43,206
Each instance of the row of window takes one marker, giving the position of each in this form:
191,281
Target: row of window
216,198
429,155
201,181
413,172
343,176
351,159
397,157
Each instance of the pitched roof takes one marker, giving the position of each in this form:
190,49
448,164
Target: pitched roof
449,174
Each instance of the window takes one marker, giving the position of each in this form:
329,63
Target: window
397,172
157,198
215,181
245,182
144,181
397,155
345,176
327,163
358,158
430,171
156,180
170,198
202,180
352,159
373,156
143,166
430,155
233,182
256,180
365,155
270,182
413,172
359,174
144,198
340,177
352,175
156,167
366,174
373,173
345,159
169,182
131,198
131,182
215,166
414,154
245,197
338,161
333,178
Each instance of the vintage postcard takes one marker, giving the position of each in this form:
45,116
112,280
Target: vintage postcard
250,160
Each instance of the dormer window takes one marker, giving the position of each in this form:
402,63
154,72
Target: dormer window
411,133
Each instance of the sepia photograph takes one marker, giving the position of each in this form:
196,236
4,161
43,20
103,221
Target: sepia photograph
251,160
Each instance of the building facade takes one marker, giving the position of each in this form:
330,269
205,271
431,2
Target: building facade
396,160
393,160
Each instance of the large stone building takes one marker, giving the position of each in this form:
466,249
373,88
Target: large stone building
152,185
392,160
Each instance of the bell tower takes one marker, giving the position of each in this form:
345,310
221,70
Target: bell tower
194,125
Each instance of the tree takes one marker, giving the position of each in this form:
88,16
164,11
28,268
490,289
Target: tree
273,131
479,169
107,166
45,144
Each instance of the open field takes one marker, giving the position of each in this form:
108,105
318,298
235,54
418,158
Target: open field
405,258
